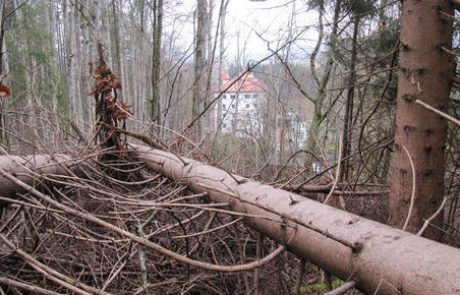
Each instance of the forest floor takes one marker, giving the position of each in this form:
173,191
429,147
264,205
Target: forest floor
43,245
146,204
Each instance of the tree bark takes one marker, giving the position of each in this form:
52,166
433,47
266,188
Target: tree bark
2,35
29,169
379,258
198,99
425,74
156,65
348,118
222,15
2,52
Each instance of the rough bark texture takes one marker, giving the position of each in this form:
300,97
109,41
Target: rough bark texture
29,169
425,74
381,259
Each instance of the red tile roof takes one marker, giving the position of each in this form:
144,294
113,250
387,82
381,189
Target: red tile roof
247,83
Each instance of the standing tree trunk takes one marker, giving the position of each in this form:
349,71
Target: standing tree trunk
116,27
348,120
199,66
209,119
156,66
73,33
2,34
222,15
319,99
2,97
425,75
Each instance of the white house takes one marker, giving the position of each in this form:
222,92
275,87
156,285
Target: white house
239,108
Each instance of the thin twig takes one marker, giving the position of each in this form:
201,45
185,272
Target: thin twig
144,241
337,172
27,287
300,273
434,110
428,221
412,197
257,271
209,230
51,274
342,289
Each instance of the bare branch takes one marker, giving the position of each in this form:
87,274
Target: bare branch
436,111
342,289
412,197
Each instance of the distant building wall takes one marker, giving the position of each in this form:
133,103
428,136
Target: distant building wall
241,113
239,108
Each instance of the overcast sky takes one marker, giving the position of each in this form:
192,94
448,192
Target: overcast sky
271,19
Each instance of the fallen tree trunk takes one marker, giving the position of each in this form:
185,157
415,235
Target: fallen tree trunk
380,259
28,169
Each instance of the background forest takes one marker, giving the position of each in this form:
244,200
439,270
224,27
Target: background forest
50,45
323,120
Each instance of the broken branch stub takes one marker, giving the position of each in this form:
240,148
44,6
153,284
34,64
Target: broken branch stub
379,258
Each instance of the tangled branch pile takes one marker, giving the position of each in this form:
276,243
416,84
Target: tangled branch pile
51,248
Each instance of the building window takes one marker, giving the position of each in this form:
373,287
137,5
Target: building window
247,106
223,106
233,106
224,125
247,96
224,96
232,96
255,95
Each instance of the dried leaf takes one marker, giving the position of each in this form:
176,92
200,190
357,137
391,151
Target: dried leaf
114,81
126,106
4,90
115,85
103,85
124,111
103,70
110,102
113,77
